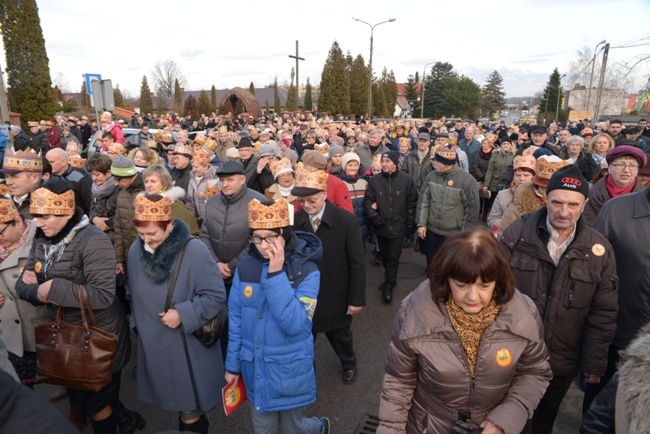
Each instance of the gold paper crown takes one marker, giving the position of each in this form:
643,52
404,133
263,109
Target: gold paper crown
268,217
544,169
211,145
116,148
23,161
74,147
148,211
524,162
8,211
182,149
4,189
151,144
323,148
278,167
45,202
200,139
223,129
530,150
211,191
201,156
316,180
77,162
157,135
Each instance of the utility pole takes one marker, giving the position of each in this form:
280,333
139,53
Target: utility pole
591,78
298,59
602,83
4,110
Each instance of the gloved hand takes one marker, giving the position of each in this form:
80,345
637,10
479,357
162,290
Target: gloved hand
501,187
466,427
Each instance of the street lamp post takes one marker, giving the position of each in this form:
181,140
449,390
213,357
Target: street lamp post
591,79
372,29
424,75
559,89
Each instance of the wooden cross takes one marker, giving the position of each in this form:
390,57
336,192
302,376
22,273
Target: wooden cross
298,58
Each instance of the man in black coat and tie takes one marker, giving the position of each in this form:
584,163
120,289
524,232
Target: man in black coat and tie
342,266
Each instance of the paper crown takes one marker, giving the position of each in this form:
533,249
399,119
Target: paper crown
545,168
4,189
77,162
116,148
148,211
23,161
157,135
223,129
200,139
323,148
8,211
201,156
151,144
524,162
45,202
211,191
211,145
182,149
268,217
32,124
530,150
74,147
278,167
316,180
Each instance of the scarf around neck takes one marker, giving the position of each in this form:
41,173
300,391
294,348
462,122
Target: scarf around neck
615,190
54,251
470,327
104,190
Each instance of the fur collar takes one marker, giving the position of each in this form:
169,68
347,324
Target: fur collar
158,266
174,194
632,384
528,199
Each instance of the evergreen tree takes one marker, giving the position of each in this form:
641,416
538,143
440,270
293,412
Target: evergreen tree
359,86
204,103
146,102
191,107
162,101
85,98
118,98
548,103
308,104
494,98
27,65
213,99
277,106
379,108
434,90
292,99
335,83
178,98
463,97
251,88
411,93
389,89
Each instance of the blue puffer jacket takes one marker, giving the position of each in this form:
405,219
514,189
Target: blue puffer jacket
270,337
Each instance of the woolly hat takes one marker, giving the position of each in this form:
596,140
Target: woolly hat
631,151
568,178
314,159
587,132
335,149
268,150
446,156
123,167
232,153
645,170
392,155
336,140
349,156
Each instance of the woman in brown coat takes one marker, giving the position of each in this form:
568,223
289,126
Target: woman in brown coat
467,347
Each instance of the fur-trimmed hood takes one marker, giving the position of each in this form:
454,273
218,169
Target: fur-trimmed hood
633,392
175,193
157,266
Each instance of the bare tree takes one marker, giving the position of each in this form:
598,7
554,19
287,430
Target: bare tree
165,73
62,83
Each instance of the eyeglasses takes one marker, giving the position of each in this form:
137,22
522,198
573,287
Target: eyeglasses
256,239
311,200
2,232
623,166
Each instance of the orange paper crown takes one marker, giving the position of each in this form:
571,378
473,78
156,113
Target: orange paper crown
201,156
116,148
4,189
268,217
546,167
316,180
524,162
157,135
200,139
323,148
151,144
8,211
211,145
23,161
278,167
211,191
45,202
223,129
77,162
74,147
148,211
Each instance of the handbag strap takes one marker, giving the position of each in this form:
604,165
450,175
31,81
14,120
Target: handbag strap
174,277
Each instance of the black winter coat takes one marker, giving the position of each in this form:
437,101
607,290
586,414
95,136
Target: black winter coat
396,198
588,167
21,142
39,142
481,163
342,266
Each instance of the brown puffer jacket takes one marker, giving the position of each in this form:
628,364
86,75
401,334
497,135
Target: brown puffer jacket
577,300
428,381
124,229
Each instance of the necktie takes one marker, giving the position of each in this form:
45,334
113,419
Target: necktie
314,223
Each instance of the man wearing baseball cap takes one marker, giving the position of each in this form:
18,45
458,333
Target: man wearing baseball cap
568,269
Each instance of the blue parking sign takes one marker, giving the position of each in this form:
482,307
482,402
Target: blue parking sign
89,79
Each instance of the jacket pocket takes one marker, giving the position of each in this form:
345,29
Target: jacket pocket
289,375
581,287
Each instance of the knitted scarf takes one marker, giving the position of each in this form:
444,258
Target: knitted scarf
54,251
470,327
614,190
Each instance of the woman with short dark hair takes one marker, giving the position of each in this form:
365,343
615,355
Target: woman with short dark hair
467,349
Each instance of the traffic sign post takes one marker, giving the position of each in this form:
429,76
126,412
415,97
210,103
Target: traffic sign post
89,79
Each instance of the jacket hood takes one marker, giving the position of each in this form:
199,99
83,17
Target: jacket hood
303,246
632,384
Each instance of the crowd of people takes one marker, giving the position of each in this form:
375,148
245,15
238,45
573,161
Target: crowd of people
533,239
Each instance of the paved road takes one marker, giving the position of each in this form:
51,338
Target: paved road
344,405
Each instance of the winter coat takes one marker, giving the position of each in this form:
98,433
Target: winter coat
624,221
76,133
471,150
39,142
53,137
481,163
225,227
195,199
222,149
337,193
343,268
497,168
104,205
163,377
396,199
413,166
499,206
448,202
179,209
357,189
270,329
365,154
124,229
64,140
18,317
428,382
273,193
86,133
598,196
82,186
141,139
589,167
181,177
527,199
577,299
88,259
21,142
250,171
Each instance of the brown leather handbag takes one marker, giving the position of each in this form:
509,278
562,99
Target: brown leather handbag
75,355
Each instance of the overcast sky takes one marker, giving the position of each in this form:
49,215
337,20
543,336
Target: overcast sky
231,43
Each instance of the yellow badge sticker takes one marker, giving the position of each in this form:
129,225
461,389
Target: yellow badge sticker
38,267
248,291
450,182
504,358
310,306
598,249
22,269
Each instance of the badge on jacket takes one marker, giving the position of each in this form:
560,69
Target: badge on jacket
598,249
248,291
38,267
504,358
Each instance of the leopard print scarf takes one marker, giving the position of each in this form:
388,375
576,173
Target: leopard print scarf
470,327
